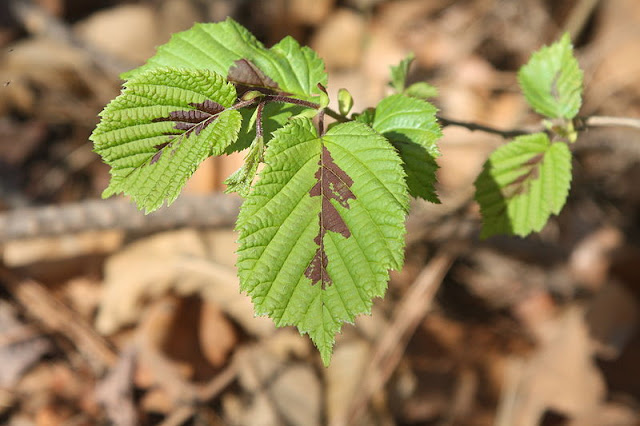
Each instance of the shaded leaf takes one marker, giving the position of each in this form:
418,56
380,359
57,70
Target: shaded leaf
297,70
410,125
274,116
421,90
522,184
399,73
240,181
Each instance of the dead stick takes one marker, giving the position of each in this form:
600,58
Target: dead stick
55,316
389,349
204,394
118,213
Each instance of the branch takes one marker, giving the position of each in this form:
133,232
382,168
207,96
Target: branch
213,210
583,123
55,316
580,124
475,126
289,100
408,315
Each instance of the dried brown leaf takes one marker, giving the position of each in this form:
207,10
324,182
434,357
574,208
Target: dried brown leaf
216,333
561,376
115,390
20,347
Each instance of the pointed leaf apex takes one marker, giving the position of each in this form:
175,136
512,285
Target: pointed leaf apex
552,80
317,262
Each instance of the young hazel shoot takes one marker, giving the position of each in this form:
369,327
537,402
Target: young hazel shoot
323,219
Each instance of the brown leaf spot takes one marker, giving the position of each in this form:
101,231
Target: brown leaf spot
247,76
194,120
332,183
188,121
520,185
156,157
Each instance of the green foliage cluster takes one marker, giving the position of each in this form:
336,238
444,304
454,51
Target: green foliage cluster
323,218
525,181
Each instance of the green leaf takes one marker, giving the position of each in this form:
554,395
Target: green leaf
214,47
410,125
296,69
522,184
322,227
399,73
220,46
345,101
552,80
367,116
240,181
421,90
156,133
274,116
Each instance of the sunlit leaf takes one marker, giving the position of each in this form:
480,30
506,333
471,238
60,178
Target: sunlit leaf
322,227
156,133
552,80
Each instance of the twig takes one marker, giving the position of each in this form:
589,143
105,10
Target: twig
290,100
583,123
580,123
512,133
56,316
390,347
204,394
93,215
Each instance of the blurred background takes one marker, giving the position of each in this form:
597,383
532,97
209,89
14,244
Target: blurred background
109,317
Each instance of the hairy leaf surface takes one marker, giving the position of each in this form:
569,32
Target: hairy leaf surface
226,47
156,133
522,184
240,181
552,80
322,227
217,46
410,125
214,47
297,69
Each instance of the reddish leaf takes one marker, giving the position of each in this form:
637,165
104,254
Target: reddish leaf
194,120
189,121
333,183
247,76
